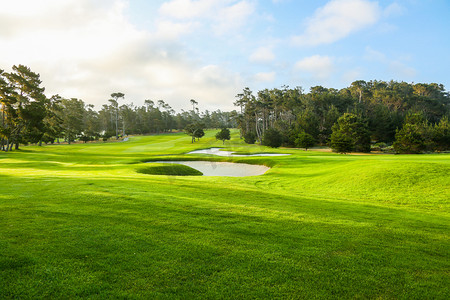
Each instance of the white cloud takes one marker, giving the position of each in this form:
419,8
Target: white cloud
222,16
170,30
262,55
187,9
265,77
338,19
87,49
317,66
231,18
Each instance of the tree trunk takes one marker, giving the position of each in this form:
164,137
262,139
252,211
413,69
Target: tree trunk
117,126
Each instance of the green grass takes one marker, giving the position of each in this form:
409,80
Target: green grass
78,221
170,170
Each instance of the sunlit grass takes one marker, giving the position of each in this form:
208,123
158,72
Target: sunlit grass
78,221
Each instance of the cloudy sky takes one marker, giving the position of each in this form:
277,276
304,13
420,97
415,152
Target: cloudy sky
209,50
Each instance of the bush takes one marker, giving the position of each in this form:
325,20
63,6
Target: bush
85,138
379,146
341,142
414,136
250,138
350,133
304,140
272,138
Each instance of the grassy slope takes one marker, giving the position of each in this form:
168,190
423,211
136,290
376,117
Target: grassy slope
78,221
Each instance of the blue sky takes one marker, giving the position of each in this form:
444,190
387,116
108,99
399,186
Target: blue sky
209,50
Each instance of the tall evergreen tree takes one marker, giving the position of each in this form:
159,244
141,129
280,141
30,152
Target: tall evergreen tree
350,133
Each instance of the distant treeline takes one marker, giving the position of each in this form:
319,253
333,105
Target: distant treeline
407,118
28,116
411,118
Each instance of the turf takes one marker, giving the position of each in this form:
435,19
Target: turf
79,221
170,170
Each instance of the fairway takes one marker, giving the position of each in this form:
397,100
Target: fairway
81,221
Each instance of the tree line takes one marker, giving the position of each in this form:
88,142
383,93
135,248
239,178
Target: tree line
380,115
397,116
29,116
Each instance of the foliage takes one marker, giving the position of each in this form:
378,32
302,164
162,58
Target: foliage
441,135
414,136
342,142
223,135
350,133
304,140
382,105
272,138
28,116
408,140
250,137
195,130
23,107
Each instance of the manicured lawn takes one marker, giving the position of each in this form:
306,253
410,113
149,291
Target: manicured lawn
79,221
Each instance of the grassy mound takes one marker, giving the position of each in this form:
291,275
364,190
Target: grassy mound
170,170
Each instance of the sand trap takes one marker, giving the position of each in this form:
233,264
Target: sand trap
212,168
218,152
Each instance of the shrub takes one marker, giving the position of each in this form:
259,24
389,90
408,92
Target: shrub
250,138
304,140
272,138
350,133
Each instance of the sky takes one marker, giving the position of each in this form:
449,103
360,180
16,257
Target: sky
210,50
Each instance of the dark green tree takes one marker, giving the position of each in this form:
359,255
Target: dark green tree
441,135
72,118
195,130
115,109
414,136
53,120
28,105
272,138
304,140
341,142
350,133
250,137
223,135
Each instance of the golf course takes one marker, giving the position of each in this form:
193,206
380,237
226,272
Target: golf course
110,219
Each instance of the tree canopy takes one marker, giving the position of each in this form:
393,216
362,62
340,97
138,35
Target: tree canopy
28,116
382,114
380,107
223,135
